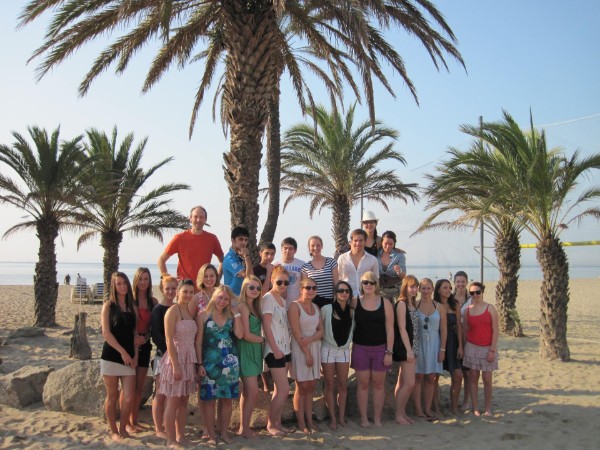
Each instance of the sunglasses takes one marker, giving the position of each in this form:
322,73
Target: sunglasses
253,288
367,282
475,292
343,291
426,326
284,282
309,288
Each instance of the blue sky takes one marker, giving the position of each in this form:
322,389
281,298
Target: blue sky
518,54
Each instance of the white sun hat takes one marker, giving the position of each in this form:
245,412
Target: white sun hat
369,215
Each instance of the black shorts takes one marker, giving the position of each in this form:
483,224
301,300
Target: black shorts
280,363
144,355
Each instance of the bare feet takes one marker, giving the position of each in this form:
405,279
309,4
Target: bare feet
123,432
134,428
174,444
275,432
476,412
248,434
488,413
161,434
116,437
401,420
378,424
314,428
333,424
342,422
226,437
365,424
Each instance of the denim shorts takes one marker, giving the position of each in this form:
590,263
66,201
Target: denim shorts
330,355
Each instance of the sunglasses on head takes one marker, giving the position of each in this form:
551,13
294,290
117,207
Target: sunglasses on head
368,282
253,288
343,291
310,288
284,282
478,292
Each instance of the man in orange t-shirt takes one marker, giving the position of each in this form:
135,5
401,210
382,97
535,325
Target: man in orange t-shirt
194,247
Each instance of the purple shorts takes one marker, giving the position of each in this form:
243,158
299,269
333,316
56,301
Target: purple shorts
366,357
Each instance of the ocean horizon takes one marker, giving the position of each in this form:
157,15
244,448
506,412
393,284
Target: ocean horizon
21,273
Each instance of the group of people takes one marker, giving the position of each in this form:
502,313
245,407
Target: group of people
306,320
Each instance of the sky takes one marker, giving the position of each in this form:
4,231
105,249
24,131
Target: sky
520,55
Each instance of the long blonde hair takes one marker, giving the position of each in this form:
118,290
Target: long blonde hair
257,301
212,308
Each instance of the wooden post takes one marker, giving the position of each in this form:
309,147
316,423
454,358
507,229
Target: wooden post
80,347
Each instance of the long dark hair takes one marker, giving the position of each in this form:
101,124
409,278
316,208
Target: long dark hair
115,311
452,302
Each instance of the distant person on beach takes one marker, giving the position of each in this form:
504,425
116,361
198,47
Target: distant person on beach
79,280
168,288
481,347
237,263
144,302
194,247
67,279
119,353
178,374
356,262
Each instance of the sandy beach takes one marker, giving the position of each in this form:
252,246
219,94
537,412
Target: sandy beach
537,404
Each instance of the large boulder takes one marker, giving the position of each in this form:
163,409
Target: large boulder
24,386
25,332
79,389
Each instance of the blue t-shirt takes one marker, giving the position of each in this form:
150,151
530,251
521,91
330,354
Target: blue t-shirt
232,264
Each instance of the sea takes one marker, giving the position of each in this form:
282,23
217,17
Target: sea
21,273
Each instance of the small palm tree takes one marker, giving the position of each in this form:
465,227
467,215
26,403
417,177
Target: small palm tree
332,167
115,203
465,185
51,171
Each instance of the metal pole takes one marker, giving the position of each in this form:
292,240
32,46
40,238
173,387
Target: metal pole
481,256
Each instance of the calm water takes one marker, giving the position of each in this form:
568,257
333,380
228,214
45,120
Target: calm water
22,272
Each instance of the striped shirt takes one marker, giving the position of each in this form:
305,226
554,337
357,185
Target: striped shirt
323,277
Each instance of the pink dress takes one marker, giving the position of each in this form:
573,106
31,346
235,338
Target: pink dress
184,338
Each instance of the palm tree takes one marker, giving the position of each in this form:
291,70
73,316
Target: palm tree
115,203
463,187
538,183
51,172
330,165
249,37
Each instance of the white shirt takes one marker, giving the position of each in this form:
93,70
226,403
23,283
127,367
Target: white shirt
294,268
279,325
351,275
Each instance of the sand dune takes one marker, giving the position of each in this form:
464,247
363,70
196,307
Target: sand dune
537,404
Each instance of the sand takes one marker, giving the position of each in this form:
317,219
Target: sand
537,404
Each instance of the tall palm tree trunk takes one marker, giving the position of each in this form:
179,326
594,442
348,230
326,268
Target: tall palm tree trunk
251,79
554,300
341,222
273,168
110,242
508,254
45,285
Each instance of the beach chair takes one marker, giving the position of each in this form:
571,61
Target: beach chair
97,293
80,292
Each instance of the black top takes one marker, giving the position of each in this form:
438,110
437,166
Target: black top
400,352
260,272
341,323
122,327
372,250
369,325
157,328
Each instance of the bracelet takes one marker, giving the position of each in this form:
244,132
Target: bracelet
237,315
389,352
442,349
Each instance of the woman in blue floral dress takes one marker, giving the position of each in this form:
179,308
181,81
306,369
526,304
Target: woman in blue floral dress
218,326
